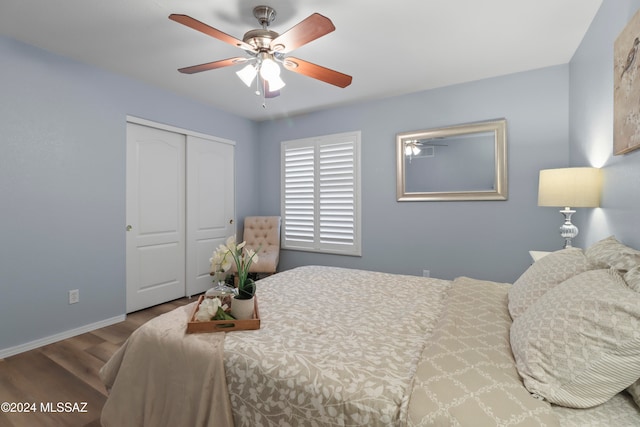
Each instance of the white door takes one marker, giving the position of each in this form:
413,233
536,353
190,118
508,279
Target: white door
155,211
210,206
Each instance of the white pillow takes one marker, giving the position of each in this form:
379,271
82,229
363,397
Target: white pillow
579,344
610,252
543,275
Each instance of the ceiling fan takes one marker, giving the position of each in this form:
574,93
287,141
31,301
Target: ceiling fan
267,48
414,147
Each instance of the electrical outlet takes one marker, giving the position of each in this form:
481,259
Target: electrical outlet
74,296
426,273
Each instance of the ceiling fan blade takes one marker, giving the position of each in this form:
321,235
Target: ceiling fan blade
307,30
210,31
212,65
317,72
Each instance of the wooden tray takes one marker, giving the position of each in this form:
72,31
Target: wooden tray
194,327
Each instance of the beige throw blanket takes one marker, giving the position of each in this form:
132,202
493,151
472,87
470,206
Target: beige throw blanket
162,377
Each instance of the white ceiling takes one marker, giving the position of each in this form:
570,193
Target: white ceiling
389,47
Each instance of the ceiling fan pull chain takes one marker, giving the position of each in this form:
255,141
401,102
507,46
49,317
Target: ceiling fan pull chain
264,94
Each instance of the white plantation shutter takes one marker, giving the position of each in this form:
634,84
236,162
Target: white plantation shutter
299,195
321,194
337,193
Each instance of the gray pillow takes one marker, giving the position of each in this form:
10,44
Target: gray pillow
632,277
610,252
543,275
634,391
579,344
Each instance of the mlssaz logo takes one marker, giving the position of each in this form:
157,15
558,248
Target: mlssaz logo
67,407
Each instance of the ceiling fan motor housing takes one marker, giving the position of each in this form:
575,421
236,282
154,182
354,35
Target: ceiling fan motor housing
260,38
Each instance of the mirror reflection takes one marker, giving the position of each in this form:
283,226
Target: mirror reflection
463,162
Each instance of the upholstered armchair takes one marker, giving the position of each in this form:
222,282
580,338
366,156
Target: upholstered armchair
263,232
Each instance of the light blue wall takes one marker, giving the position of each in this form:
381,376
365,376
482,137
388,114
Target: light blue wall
487,240
62,185
591,129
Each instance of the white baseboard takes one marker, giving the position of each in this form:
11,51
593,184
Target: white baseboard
11,351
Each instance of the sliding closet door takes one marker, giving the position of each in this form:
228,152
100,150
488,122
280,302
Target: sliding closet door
210,206
180,207
155,200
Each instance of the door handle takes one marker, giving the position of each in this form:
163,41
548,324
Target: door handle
129,228
230,221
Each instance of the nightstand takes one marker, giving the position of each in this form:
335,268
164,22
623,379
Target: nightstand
536,255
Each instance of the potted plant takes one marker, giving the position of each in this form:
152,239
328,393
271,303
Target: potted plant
222,259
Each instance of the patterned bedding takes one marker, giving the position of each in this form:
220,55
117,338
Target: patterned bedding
467,375
336,347
342,347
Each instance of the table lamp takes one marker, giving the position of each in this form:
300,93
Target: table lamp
567,188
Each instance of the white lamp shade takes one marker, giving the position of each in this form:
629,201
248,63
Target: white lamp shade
411,149
269,69
276,83
247,74
570,187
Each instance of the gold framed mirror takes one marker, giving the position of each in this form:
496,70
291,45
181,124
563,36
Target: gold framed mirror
461,162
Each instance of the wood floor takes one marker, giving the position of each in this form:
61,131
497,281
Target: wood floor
66,371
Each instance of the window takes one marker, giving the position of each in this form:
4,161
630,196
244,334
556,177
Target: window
320,194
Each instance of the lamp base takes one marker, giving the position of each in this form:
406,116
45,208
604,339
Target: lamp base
567,230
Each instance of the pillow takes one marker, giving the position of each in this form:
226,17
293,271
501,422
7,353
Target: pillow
634,391
543,275
632,277
579,344
610,252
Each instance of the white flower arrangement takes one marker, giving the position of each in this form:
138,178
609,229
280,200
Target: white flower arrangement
226,254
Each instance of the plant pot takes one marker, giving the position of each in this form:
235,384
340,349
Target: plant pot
242,309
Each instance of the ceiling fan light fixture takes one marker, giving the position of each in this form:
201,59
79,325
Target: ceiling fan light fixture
269,69
247,74
276,83
411,149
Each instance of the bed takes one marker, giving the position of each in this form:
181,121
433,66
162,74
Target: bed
345,347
